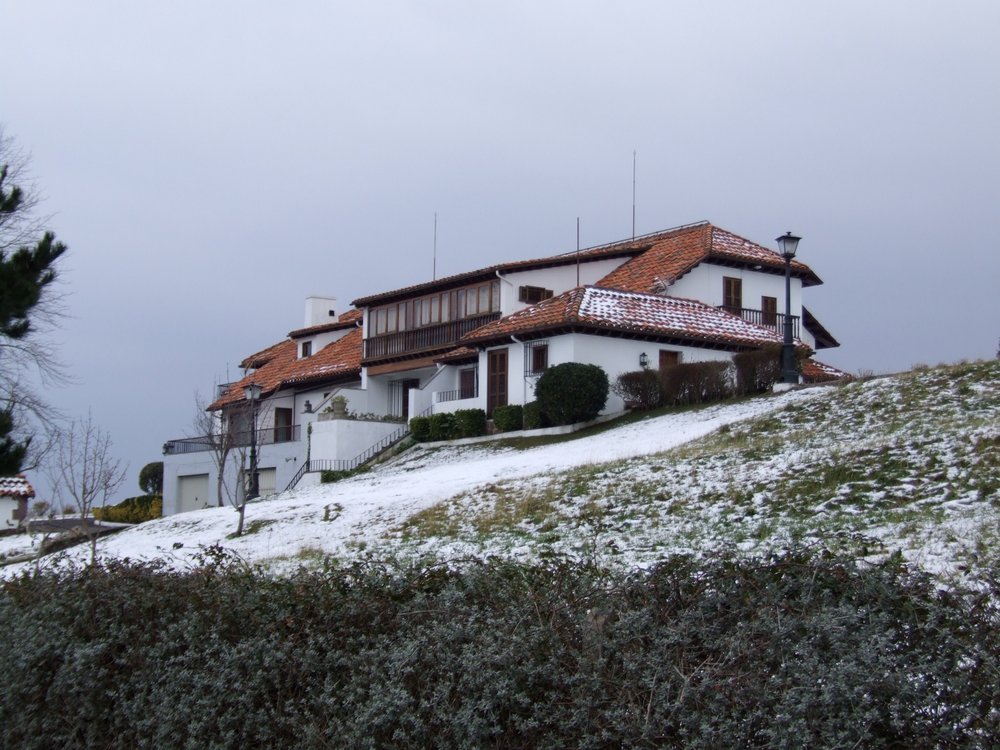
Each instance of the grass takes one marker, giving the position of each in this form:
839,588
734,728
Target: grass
868,466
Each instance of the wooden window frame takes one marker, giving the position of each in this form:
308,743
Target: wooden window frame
533,294
769,310
732,293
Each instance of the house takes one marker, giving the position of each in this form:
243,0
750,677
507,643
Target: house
15,492
481,339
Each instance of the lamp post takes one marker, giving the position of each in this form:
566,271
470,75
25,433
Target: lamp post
788,243
252,393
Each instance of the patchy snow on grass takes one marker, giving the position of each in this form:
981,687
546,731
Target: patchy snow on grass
905,463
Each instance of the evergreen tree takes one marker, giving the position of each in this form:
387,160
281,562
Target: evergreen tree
25,272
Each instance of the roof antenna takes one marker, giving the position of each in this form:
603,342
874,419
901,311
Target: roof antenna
578,251
633,194
434,267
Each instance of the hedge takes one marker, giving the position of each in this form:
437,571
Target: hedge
420,429
507,418
469,423
533,417
802,649
696,383
132,510
640,389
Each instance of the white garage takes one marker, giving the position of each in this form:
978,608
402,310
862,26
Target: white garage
192,492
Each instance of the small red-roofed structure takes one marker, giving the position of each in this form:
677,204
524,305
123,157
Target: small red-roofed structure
15,492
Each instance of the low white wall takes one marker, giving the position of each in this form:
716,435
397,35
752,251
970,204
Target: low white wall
447,407
343,439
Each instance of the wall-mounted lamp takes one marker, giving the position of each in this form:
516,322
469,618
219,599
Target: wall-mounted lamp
307,408
643,361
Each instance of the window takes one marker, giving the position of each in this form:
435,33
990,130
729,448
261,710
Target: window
467,382
282,424
532,294
769,311
536,357
307,348
732,293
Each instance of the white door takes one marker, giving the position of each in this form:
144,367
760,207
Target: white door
192,492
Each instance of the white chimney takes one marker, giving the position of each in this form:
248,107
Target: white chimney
320,310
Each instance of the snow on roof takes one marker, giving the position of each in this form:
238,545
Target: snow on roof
17,486
623,312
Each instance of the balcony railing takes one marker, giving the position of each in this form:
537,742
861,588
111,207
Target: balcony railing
763,318
265,436
422,339
458,394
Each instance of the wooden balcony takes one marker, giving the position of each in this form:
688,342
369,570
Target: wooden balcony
404,344
775,321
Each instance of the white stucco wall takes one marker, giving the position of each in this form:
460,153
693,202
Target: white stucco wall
704,283
8,506
613,355
558,279
344,439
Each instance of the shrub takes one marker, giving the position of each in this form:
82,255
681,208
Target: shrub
420,429
639,389
510,417
572,392
151,478
470,423
442,427
696,383
329,476
757,371
532,416
800,649
132,510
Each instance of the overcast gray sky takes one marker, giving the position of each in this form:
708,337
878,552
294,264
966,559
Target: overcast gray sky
210,164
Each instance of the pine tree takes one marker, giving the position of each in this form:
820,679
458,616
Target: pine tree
25,273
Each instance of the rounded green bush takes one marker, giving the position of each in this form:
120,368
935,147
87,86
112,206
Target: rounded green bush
572,392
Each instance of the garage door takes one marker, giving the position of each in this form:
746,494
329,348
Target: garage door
192,492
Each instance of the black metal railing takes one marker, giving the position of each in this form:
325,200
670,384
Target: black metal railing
428,337
241,439
764,318
457,395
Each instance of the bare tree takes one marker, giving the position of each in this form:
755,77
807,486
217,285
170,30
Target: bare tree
226,436
84,471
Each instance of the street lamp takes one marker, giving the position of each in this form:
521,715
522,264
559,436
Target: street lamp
788,243
252,393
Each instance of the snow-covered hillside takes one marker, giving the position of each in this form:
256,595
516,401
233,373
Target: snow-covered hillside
908,462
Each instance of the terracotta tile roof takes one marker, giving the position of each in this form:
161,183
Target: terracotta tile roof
261,358
674,252
457,356
346,320
17,486
624,313
283,368
657,259
814,371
